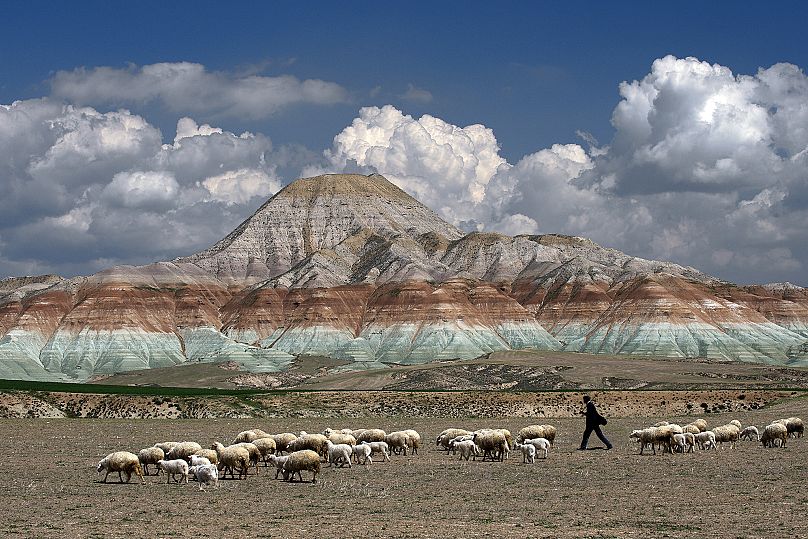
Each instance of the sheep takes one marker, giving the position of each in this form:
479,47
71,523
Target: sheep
414,440
361,452
700,423
266,447
205,474
299,461
540,444
371,435
166,446
209,454
340,438
706,440
378,447
736,423
283,440
748,432
492,443
278,462
196,460
661,424
150,455
174,467
646,437
794,426
447,435
339,454
528,453
183,450
467,448
727,433
121,461
508,439
232,457
315,442
454,441
249,436
691,428
255,453
772,433
537,431
665,433
683,442
398,441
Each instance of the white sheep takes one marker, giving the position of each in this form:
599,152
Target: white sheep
196,460
528,453
278,462
378,447
361,452
174,467
339,454
540,444
232,458
706,440
467,449
150,455
205,474
646,437
748,432
682,442
121,461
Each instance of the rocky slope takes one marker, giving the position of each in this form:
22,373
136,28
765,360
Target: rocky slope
353,268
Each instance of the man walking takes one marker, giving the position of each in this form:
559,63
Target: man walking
593,422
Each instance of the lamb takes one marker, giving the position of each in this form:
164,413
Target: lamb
299,461
378,447
706,440
398,441
528,453
414,441
249,436
121,461
209,454
150,455
278,462
371,435
794,426
492,443
232,457
315,442
339,454
266,447
183,450
748,432
539,444
772,433
361,452
727,433
205,474
467,448
283,440
537,431
454,441
447,435
174,467
683,442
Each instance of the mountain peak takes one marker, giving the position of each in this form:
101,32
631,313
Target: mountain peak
313,214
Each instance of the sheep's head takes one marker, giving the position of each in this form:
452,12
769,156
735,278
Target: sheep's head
100,466
635,434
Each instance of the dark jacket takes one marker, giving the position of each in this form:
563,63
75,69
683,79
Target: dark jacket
593,418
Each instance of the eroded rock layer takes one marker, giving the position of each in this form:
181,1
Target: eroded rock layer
351,267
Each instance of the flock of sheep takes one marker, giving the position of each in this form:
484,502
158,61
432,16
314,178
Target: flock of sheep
291,454
673,438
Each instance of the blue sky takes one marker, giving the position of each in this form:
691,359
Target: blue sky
533,73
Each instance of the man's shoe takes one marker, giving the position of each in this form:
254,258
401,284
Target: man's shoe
608,447
581,449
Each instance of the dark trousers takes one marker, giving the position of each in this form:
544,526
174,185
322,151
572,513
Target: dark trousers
596,430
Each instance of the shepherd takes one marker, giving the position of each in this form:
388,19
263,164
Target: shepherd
593,423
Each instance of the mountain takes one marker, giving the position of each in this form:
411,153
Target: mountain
351,267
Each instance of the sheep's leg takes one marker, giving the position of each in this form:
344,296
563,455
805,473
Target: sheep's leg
120,477
105,476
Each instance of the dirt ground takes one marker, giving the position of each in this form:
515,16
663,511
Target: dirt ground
50,488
